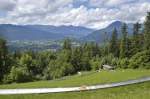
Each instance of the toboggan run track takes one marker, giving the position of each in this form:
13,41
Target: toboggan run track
71,89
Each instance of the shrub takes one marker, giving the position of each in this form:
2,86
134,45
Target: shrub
114,62
7,79
140,60
57,69
123,63
95,63
19,74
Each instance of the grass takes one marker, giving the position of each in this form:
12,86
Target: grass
136,91
89,78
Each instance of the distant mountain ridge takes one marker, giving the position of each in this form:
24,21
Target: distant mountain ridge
42,32
99,35
49,32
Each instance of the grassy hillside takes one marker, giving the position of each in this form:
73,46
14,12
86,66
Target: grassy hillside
137,91
87,78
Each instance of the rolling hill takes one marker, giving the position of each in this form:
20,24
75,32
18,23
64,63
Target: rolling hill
42,32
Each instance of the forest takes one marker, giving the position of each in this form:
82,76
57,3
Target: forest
121,52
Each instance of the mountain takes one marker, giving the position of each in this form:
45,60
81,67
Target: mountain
42,32
71,31
99,35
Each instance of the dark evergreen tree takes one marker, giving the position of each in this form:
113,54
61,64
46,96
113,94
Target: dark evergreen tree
113,47
105,47
4,66
135,42
76,58
124,42
147,31
67,44
136,29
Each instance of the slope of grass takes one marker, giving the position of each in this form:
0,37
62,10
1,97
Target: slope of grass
136,91
89,78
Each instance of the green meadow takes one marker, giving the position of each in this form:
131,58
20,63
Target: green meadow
87,78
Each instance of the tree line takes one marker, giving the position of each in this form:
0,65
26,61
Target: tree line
125,52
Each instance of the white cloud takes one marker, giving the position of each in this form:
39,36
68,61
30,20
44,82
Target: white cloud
63,12
118,2
109,3
7,5
34,7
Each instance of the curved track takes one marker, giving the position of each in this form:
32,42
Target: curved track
71,89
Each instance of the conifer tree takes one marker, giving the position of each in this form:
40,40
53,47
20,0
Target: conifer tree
67,44
136,42
106,48
3,58
114,43
147,31
124,45
136,29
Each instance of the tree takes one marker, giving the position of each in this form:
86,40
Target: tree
123,63
92,49
95,63
140,60
67,44
26,61
113,47
105,47
124,41
136,29
57,69
147,31
4,66
136,42
85,65
20,74
95,51
41,61
76,58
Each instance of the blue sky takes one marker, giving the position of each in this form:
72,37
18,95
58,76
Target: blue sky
88,13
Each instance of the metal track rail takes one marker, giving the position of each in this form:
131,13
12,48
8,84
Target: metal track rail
71,89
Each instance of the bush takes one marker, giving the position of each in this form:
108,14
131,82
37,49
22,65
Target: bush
19,74
95,63
7,79
123,63
140,60
57,69
114,62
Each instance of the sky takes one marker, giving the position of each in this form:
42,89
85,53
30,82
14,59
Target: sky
88,13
